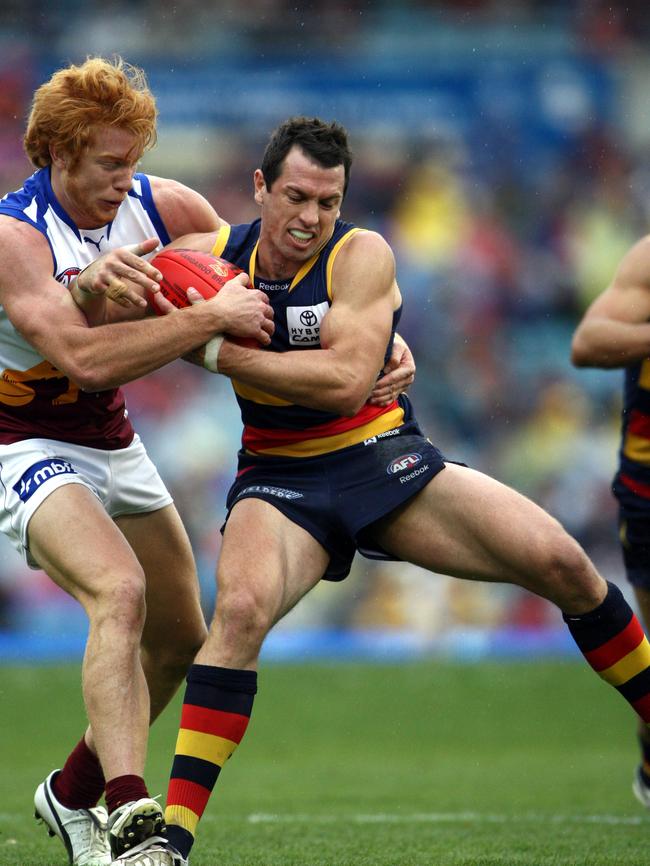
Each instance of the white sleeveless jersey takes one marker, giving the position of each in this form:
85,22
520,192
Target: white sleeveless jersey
36,399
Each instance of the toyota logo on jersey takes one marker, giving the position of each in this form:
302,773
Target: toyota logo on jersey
401,464
303,324
308,318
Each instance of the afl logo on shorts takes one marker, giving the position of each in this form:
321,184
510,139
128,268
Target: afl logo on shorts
401,464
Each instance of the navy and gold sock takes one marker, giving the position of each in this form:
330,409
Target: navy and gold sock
613,642
216,711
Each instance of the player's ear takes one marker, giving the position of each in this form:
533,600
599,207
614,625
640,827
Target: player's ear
260,185
59,157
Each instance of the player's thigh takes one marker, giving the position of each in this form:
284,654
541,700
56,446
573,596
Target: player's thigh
469,525
73,539
267,558
160,542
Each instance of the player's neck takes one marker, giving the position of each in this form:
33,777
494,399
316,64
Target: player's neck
272,266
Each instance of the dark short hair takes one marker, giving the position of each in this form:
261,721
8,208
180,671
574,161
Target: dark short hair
325,143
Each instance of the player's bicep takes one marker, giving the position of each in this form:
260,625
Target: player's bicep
39,307
364,292
627,298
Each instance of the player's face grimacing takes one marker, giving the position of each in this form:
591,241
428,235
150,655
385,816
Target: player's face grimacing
298,212
92,190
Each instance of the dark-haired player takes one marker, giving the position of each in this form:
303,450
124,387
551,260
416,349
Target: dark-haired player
615,333
324,473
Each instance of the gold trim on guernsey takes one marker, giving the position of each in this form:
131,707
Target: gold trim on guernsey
644,375
221,240
325,444
223,236
247,392
333,254
637,448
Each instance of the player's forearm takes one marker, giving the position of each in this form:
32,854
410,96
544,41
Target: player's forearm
316,379
111,355
92,306
609,343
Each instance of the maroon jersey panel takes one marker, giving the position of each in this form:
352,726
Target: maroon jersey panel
43,403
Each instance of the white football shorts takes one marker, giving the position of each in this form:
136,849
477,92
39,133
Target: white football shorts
125,481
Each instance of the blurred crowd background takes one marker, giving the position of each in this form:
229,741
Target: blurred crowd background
503,148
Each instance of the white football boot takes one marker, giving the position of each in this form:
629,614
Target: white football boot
84,832
155,851
640,790
134,823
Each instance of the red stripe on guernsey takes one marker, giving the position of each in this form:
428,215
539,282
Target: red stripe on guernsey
639,424
258,438
617,648
642,707
181,792
637,487
230,726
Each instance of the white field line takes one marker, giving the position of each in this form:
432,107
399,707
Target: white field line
446,818
414,818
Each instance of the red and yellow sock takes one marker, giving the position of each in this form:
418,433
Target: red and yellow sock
216,711
613,642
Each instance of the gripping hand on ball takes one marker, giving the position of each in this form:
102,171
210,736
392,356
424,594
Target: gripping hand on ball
121,275
243,312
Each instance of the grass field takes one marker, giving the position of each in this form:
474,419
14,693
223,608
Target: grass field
427,764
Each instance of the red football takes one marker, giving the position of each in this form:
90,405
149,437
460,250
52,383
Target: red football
182,268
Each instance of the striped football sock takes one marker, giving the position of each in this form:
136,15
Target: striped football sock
613,642
216,710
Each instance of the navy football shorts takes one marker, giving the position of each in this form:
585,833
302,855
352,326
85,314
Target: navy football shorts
634,532
337,496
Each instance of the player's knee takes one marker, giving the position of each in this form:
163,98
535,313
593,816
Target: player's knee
243,615
571,578
120,604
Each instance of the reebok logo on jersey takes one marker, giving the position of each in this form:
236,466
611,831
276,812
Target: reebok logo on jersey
39,473
272,287
401,464
303,324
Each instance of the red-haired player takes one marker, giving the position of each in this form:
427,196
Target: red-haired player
81,498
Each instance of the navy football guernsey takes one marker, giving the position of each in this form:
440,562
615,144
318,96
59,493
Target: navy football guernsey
276,426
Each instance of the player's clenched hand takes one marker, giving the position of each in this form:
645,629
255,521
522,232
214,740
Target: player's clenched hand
122,275
245,312
399,373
